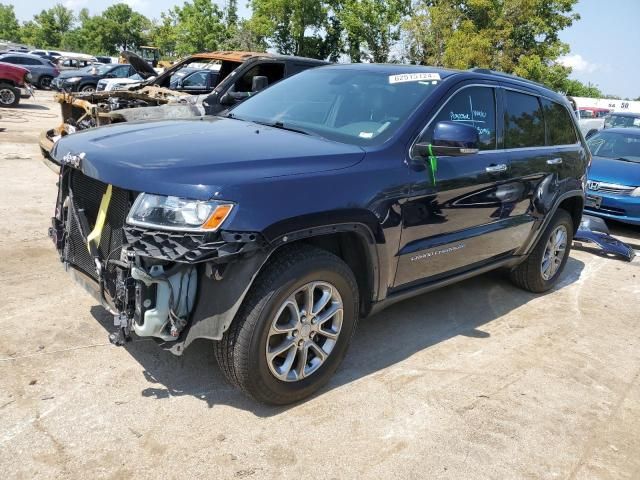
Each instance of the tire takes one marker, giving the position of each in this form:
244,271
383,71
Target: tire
45,82
88,88
9,95
244,349
530,275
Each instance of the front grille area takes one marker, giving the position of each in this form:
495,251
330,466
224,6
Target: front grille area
611,189
87,194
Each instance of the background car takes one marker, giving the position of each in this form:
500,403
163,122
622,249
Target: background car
67,62
86,79
42,70
110,84
196,82
613,186
13,84
622,120
48,54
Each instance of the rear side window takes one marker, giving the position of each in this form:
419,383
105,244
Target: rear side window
31,61
560,129
474,106
524,125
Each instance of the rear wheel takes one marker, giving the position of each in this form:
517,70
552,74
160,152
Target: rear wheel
294,327
45,82
545,264
9,96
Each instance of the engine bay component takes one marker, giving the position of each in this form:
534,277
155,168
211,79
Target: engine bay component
162,311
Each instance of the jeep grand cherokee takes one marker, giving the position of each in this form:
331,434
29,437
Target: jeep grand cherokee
320,200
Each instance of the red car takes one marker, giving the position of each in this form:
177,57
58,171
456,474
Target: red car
14,83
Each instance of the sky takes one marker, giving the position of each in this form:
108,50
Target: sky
603,42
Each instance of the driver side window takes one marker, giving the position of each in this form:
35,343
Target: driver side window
474,106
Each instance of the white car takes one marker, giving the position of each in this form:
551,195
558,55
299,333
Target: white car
109,84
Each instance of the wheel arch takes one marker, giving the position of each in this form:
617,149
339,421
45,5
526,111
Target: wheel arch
572,201
219,299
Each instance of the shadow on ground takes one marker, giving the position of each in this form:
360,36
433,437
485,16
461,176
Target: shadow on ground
30,106
381,341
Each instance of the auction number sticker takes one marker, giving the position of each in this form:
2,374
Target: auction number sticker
413,77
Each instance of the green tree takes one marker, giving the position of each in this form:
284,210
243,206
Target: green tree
9,26
575,88
293,27
120,28
199,27
48,27
85,36
373,24
513,36
163,34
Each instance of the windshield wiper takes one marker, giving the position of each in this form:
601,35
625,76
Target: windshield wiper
627,159
282,126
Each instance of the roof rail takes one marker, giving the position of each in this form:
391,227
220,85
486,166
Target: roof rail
488,71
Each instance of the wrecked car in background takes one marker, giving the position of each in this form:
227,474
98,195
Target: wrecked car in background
238,76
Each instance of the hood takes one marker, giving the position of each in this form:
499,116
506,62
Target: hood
139,64
610,170
199,158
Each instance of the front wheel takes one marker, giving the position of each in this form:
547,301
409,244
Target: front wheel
545,264
88,88
294,327
9,96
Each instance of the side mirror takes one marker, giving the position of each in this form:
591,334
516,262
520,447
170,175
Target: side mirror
227,100
258,83
179,84
451,139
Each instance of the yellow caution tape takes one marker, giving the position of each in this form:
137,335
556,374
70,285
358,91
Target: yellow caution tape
96,233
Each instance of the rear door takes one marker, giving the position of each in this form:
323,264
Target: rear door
461,220
542,145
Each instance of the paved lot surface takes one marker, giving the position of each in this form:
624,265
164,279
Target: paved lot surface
480,380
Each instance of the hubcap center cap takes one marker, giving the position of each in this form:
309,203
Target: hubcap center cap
305,331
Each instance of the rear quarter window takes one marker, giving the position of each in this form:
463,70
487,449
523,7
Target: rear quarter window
560,130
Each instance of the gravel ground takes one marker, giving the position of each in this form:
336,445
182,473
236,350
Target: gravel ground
479,380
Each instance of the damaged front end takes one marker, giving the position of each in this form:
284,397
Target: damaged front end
170,286
81,111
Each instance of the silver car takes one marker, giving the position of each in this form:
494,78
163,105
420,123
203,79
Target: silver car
42,70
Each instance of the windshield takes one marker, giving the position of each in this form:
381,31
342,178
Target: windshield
342,104
614,120
615,145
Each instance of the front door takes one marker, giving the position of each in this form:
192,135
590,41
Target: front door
459,221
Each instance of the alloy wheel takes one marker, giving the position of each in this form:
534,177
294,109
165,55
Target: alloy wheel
554,252
304,331
7,96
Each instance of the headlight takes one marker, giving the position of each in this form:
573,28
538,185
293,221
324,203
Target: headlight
28,78
636,192
174,213
72,79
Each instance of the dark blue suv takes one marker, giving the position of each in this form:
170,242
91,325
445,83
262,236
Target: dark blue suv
323,199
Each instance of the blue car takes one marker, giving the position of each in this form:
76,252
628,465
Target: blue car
613,187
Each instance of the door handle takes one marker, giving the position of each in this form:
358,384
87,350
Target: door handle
554,161
496,168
